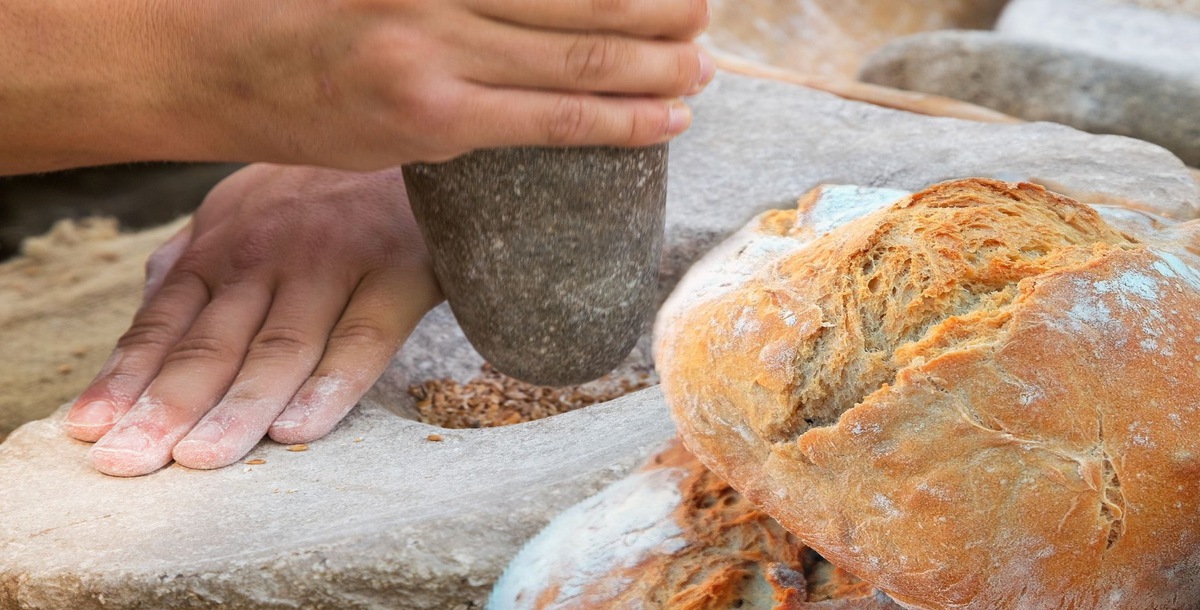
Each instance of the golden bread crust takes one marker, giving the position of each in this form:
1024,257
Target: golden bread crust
983,396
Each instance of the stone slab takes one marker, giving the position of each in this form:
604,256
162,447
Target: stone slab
1035,80
389,521
396,521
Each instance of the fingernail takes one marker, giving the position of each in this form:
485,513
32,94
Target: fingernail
126,441
95,413
679,117
708,69
285,424
207,432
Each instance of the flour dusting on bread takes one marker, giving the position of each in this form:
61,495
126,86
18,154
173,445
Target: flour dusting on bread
984,395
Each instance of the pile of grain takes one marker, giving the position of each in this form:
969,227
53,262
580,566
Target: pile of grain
495,399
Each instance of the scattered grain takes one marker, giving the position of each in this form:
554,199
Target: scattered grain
297,448
65,369
81,351
256,462
437,438
494,399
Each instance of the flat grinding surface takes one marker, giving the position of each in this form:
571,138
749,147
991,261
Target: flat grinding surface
443,512
548,257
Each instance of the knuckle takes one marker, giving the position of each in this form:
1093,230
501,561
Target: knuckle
125,381
282,342
435,112
152,329
647,124
592,58
569,122
203,349
688,69
260,244
360,332
195,262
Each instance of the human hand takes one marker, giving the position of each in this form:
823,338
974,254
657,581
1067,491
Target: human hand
365,84
273,311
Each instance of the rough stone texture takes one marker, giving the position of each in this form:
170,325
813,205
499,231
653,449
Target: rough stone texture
1038,81
1167,42
395,521
547,256
391,521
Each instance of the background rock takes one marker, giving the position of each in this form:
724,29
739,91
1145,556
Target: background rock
1153,39
1037,81
831,37
399,521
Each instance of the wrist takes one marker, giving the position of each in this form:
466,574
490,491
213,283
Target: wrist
247,67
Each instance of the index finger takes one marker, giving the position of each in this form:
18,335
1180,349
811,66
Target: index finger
670,19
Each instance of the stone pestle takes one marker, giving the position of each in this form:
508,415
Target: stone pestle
548,256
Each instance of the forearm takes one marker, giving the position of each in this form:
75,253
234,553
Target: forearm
88,82
351,84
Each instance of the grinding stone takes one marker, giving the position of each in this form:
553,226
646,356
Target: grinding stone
548,256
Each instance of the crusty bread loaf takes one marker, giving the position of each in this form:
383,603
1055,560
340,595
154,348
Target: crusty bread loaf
674,536
983,396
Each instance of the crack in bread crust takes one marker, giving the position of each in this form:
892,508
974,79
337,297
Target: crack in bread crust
1112,498
935,272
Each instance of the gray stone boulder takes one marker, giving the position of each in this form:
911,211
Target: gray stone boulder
376,515
1168,42
1099,67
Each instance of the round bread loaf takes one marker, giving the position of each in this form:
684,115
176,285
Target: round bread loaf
673,536
981,396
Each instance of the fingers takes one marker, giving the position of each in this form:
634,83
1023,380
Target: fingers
139,353
382,313
163,259
531,118
594,63
279,360
195,375
674,19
